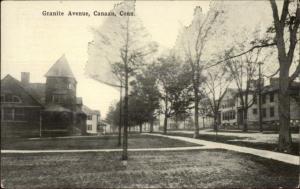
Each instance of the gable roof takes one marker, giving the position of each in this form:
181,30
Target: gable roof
37,95
88,110
60,68
38,91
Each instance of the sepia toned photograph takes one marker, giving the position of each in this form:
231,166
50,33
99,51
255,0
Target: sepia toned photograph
150,94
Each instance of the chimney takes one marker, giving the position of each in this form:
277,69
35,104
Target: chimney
25,76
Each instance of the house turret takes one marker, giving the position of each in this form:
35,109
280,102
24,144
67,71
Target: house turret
61,84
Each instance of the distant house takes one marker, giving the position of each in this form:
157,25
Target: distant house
93,119
106,128
231,113
33,109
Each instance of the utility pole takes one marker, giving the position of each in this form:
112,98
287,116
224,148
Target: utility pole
259,97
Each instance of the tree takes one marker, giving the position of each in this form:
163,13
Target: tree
284,30
145,87
290,16
136,111
175,85
193,42
215,86
242,71
181,96
122,40
113,116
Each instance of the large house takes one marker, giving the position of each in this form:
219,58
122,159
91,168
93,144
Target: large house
39,109
231,111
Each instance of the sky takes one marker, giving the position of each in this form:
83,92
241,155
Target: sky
31,42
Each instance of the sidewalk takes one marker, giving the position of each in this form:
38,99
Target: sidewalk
104,150
287,158
247,137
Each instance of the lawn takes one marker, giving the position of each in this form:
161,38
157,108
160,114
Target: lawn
92,142
189,169
241,140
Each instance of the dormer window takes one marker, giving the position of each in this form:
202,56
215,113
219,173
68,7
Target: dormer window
10,98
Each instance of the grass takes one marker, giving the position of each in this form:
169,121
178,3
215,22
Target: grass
231,140
99,142
183,169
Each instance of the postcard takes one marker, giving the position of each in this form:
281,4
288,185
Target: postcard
150,94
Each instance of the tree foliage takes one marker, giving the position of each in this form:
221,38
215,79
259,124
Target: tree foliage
174,80
144,98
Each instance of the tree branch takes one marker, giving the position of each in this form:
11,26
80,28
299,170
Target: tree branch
245,52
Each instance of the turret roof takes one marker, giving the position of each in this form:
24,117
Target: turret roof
61,68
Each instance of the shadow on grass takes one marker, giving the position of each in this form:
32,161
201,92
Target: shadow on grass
182,169
99,142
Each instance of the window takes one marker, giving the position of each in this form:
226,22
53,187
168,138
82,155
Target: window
89,127
70,86
272,97
264,112
8,98
89,117
229,115
233,114
11,114
16,99
58,98
263,99
254,111
8,114
272,113
254,99
19,114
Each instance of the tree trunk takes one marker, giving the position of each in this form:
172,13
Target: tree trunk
216,125
120,118
196,116
203,122
285,140
141,128
166,115
165,123
245,120
215,122
151,125
176,123
125,133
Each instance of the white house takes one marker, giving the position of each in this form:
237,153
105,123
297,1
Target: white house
231,112
93,119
